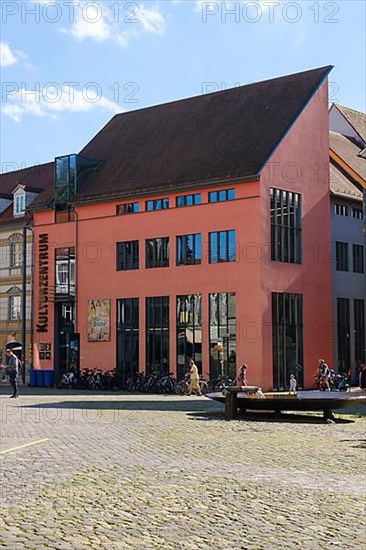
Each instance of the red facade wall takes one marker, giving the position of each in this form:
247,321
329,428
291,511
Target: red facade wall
252,277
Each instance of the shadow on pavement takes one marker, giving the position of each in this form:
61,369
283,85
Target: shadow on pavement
296,418
194,405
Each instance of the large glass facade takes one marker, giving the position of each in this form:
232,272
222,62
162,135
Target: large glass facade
70,172
222,315
286,226
189,332
157,334
127,337
287,332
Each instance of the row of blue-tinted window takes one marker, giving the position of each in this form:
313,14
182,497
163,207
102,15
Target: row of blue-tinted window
188,250
182,200
221,196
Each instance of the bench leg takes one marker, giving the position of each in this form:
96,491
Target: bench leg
231,406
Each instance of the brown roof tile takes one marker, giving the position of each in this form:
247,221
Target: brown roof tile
217,137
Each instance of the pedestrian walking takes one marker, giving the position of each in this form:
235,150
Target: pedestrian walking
293,383
241,379
12,369
194,384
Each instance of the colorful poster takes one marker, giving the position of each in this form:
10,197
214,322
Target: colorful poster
99,320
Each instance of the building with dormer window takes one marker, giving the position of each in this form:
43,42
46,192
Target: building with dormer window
18,190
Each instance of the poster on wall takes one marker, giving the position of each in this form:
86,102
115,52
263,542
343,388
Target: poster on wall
99,320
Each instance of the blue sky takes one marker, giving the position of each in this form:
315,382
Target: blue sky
68,66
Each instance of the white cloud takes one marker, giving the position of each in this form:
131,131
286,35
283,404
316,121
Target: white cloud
52,101
100,22
7,57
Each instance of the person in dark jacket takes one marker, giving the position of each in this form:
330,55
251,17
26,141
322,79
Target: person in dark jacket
12,369
362,377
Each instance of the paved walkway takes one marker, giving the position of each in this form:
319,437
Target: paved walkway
81,471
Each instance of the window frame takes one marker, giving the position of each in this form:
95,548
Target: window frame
153,205
342,256
122,262
127,208
196,250
286,226
225,194
358,258
157,262
220,240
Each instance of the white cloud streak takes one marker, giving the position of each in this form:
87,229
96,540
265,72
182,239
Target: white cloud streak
51,102
7,56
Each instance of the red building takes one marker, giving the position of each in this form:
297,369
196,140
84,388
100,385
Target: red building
199,222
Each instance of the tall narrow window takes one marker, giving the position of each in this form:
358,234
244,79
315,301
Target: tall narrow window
189,332
157,252
343,335
358,258
287,339
359,331
65,271
15,304
222,334
222,246
127,255
341,256
127,337
157,335
189,249
16,250
286,226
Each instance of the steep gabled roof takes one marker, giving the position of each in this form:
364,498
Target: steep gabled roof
219,137
349,151
356,119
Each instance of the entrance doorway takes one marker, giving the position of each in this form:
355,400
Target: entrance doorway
64,331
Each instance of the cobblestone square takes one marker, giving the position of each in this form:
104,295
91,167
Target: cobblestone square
80,470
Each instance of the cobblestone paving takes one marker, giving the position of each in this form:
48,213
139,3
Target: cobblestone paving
144,472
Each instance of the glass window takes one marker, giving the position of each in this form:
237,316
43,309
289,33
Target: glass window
157,204
341,256
65,271
189,332
285,226
359,330
15,304
16,254
189,249
157,252
127,338
357,213
222,246
358,258
19,204
341,209
188,200
221,196
128,208
127,255
287,339
343,335
157,335
222,334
